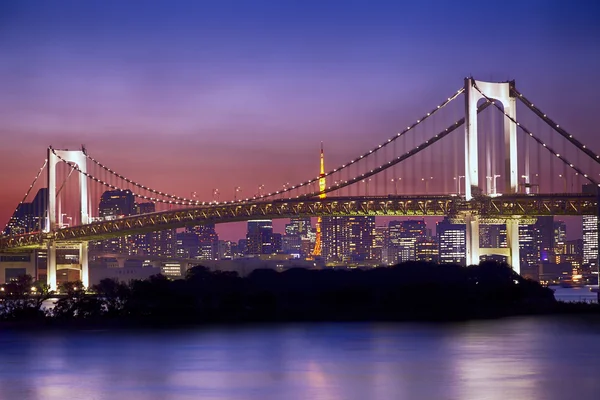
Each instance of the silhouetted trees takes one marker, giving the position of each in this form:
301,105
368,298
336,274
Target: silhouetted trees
22,299
408,291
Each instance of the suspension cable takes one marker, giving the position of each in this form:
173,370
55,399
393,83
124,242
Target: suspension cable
39,173
399,159
65,181
292,187
555,126
111,186
538,140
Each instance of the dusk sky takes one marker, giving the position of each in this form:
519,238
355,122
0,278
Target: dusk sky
187,96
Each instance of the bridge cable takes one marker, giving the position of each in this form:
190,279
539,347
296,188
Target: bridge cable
401,158
39,173
538,140
555,126
329,189
293,187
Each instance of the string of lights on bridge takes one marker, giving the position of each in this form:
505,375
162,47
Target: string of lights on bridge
186,201
398,159
177,200
39,173
111,186
538,140
556,126
331,188
337,186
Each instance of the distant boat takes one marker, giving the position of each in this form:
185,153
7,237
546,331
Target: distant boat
594,289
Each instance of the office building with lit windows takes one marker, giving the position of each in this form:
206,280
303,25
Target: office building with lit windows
452,242
402,237
259,237
347,239
590,239
427,249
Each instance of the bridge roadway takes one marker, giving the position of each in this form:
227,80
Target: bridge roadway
492,208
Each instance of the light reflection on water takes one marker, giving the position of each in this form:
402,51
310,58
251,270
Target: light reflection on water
527,358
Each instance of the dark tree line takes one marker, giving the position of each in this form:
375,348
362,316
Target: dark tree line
409,291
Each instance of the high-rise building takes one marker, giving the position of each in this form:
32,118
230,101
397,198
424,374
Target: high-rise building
590,232
292,244
188,245
402,236
560,237
427,249
29,217
225,250
590,239
260,237
208,241
452,242
346,239
492,236
117,203
277,243
298,226
162,243
240,249
380,239
139,244
544,230
529,245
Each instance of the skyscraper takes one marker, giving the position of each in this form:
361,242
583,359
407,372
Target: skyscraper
590,232
529,245
297,230
208,241
260,237
117,203
452,242
590,239
402,237
492,235
299,225
188,245
347,239
225,250
380,239
29,217
544,230
427,250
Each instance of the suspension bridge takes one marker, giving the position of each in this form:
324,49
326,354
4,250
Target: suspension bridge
504,172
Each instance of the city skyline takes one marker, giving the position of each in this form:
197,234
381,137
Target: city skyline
192,100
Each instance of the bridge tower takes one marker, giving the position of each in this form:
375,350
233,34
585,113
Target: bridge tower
498,91
79,158
322,186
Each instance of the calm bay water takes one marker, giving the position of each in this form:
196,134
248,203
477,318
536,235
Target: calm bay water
522,358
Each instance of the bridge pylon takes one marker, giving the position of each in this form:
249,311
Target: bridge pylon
79,158
500,91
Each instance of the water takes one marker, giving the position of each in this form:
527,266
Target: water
575,294
523,358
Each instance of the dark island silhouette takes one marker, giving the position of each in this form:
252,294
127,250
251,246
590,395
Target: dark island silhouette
412,291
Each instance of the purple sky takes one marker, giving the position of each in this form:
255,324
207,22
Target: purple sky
187,96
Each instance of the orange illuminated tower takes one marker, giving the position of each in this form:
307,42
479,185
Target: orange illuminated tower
317,250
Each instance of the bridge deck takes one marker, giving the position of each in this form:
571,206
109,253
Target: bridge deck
407,206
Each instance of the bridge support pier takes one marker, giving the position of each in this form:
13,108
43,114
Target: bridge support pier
512,241
51,266
472,239
53,269
83,260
